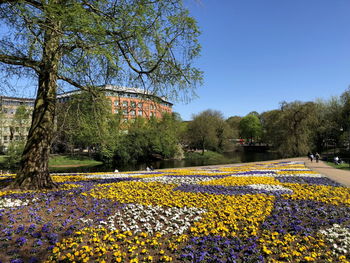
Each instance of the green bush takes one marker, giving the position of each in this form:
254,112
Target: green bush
14,153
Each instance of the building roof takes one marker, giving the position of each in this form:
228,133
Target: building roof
117,89
16,98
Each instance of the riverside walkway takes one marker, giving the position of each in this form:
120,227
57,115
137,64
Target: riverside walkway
338,175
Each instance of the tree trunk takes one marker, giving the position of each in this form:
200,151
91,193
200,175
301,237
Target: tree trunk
34,172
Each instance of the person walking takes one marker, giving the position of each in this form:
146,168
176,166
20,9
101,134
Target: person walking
336,160
317,156
312,157
309,156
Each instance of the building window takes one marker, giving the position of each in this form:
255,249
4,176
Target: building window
116,111
132,112
125,112
133,104
152,107
125,104
140,112
140,105
152,114
116,103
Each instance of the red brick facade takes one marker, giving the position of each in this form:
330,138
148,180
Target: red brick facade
132,103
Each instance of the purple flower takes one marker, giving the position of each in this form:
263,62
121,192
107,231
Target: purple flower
38,243
46,228
19,229
31,228
304,216
33,260
307,180
220,249
49,248
52,238
37,234
21,241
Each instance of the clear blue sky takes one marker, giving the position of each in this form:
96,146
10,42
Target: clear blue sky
257,53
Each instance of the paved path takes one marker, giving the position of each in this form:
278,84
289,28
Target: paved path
338,175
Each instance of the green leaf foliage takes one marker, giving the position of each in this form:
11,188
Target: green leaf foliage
207,131
250,127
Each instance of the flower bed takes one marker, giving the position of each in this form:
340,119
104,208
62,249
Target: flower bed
266,212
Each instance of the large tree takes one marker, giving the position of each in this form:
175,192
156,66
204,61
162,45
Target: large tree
233,123
250,127
87,122
207,131
86,44
291,129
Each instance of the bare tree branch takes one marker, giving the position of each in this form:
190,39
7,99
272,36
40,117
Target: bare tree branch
20,61
30,2
72,82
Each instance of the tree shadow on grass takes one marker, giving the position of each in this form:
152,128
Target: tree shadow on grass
5,183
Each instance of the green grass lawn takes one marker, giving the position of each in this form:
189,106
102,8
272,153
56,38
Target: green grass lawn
65,160
343,166
2,159
60,163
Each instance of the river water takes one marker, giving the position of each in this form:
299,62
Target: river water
231,157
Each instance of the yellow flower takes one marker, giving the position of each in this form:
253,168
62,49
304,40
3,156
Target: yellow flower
309,259
266,250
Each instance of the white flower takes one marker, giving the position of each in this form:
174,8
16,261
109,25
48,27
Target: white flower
177,179
8,202
150,219
111,176
268,187
339,237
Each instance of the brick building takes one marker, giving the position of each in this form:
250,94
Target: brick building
131,102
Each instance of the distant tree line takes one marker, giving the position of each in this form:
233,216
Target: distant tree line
87,123
293,129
